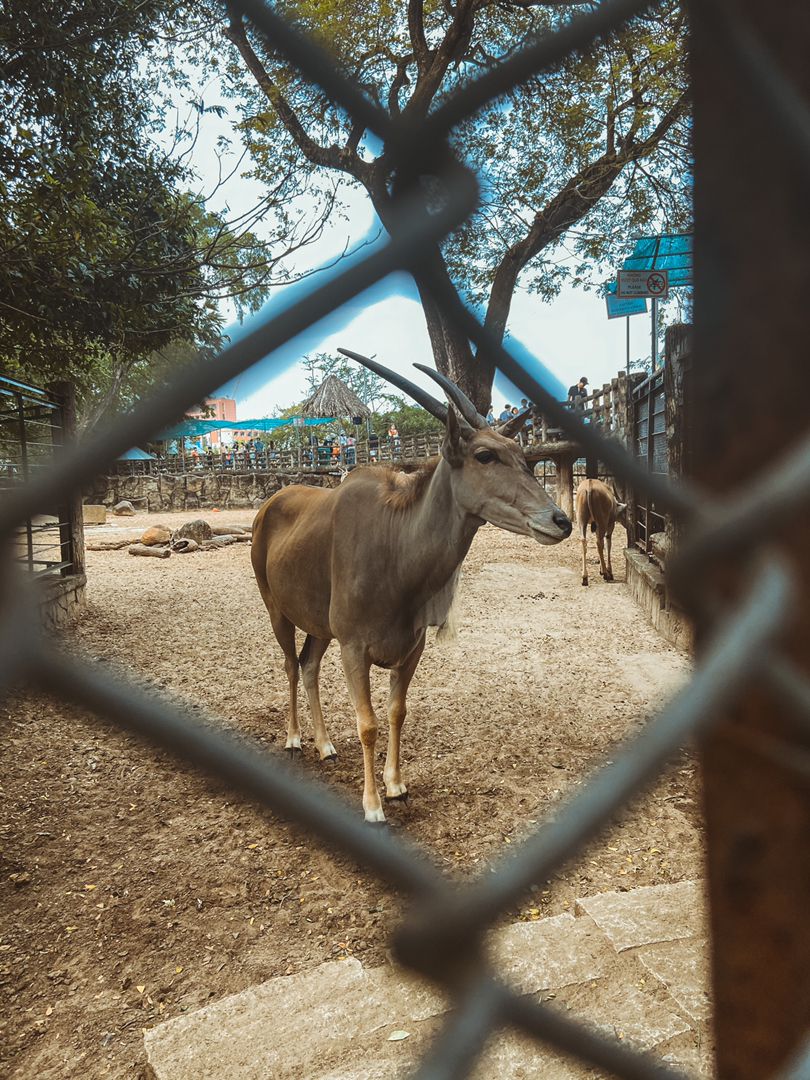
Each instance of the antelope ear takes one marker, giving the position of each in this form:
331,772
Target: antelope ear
456,434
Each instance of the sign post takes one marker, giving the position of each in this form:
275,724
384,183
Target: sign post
621,308
638,283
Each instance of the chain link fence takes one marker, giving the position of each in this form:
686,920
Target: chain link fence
443,937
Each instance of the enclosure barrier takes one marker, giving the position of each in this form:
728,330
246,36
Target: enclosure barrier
750,646
32,431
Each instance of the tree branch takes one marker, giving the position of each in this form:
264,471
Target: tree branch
572,203
344,159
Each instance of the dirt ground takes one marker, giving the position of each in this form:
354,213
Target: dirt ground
132,889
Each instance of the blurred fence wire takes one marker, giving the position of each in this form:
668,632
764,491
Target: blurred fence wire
443,937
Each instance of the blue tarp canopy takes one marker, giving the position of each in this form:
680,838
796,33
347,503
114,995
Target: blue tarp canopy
671,252
136,454
190,428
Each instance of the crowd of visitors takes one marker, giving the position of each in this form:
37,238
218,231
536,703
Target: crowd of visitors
335,448
577,396
338,448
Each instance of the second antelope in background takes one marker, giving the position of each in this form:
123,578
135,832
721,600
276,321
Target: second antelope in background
596,505
376,561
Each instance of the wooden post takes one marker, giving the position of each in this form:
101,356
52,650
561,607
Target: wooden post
677,363
565,484
72,532
748,406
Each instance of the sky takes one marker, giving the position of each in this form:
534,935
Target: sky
568,337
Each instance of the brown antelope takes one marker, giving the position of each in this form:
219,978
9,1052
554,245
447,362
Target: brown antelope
376,561
596,505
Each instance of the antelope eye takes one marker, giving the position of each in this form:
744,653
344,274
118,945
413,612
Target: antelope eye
485,457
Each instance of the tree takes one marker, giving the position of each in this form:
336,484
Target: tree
585,154
107,258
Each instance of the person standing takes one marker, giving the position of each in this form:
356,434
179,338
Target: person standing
577,394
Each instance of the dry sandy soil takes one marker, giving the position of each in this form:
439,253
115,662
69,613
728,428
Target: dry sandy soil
133,890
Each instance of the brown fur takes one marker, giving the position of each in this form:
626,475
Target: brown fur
403,489
596,505
375,561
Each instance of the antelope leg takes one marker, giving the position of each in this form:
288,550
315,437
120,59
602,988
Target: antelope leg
608,544
356,665
285,634
310,660
600,547
399,683
585,558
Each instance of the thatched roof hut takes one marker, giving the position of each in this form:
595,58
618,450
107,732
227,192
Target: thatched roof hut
334,398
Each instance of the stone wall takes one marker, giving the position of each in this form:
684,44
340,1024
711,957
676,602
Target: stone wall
647,586
203,490
61,600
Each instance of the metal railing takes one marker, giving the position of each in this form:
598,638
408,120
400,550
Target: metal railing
443,936
649,435
31,435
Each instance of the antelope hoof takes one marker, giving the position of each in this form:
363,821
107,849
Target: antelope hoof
397,792
293,742
608,576
584,581
293,752
328,753
375,817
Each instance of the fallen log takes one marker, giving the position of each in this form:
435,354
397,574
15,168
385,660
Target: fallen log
230,530
220,542
109,545
155,552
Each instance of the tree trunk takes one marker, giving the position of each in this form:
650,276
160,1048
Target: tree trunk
452,352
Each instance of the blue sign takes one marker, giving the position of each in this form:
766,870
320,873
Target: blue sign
617,309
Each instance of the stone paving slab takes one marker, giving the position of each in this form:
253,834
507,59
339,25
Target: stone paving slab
517,1057
334,1021
626,1012
551,953
651,913
683,967
273,1029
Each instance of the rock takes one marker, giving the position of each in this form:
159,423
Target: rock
184,545
93,514
197,530
156,552
124,509
157,534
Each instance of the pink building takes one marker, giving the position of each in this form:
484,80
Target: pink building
218,408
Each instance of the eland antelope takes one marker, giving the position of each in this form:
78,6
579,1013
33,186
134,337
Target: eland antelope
596,505
376,561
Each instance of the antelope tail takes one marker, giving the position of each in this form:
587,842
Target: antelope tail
590,511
